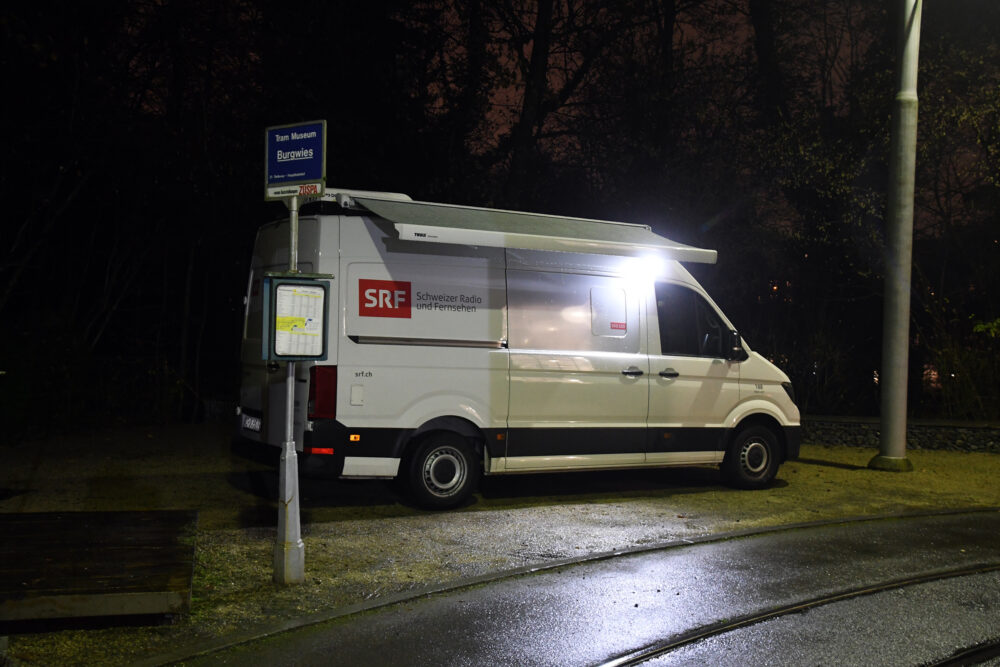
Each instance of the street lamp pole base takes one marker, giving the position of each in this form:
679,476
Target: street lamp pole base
891,464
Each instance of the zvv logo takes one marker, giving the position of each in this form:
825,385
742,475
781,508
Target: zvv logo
384,298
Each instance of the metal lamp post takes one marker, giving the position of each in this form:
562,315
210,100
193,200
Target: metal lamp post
899,250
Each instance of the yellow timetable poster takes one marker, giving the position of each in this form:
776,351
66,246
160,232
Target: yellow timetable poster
299,311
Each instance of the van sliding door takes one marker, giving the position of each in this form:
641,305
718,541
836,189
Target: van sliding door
578,378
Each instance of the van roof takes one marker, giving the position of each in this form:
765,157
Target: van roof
467,225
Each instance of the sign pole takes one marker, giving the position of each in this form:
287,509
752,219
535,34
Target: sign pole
289,550
294,166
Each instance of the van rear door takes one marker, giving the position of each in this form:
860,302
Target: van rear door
262,385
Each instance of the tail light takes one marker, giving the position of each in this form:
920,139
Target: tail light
322,392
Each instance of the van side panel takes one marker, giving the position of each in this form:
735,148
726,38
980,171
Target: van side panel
422,339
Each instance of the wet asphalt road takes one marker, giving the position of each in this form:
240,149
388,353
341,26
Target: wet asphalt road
594,612
915,625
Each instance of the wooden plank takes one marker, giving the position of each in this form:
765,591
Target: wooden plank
88,564
92,527
88,606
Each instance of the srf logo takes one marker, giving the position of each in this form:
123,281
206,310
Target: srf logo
384,298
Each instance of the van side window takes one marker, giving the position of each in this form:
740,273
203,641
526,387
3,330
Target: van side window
608,315
689,326
568,311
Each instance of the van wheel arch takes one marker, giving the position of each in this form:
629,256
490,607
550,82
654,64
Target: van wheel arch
457,425
765,421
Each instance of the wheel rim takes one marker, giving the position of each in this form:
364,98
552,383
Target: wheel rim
754,456
444,471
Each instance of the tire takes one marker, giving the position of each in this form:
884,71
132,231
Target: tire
443,471
752,459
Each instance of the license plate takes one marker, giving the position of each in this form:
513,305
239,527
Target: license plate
251,423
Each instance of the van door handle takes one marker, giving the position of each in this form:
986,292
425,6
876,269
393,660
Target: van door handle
632,372
669,373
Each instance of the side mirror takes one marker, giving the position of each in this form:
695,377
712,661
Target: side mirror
736,351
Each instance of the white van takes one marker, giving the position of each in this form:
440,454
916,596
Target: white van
469,341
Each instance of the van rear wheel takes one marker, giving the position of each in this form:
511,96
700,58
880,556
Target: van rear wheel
752,459
443,471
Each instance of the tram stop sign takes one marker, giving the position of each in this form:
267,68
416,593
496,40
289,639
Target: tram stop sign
295,160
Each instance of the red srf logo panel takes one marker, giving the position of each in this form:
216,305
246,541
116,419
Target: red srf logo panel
384,298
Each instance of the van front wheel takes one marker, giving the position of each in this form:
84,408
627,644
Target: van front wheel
443,471
752,459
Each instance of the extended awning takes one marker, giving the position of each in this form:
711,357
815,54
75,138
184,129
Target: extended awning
465,225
